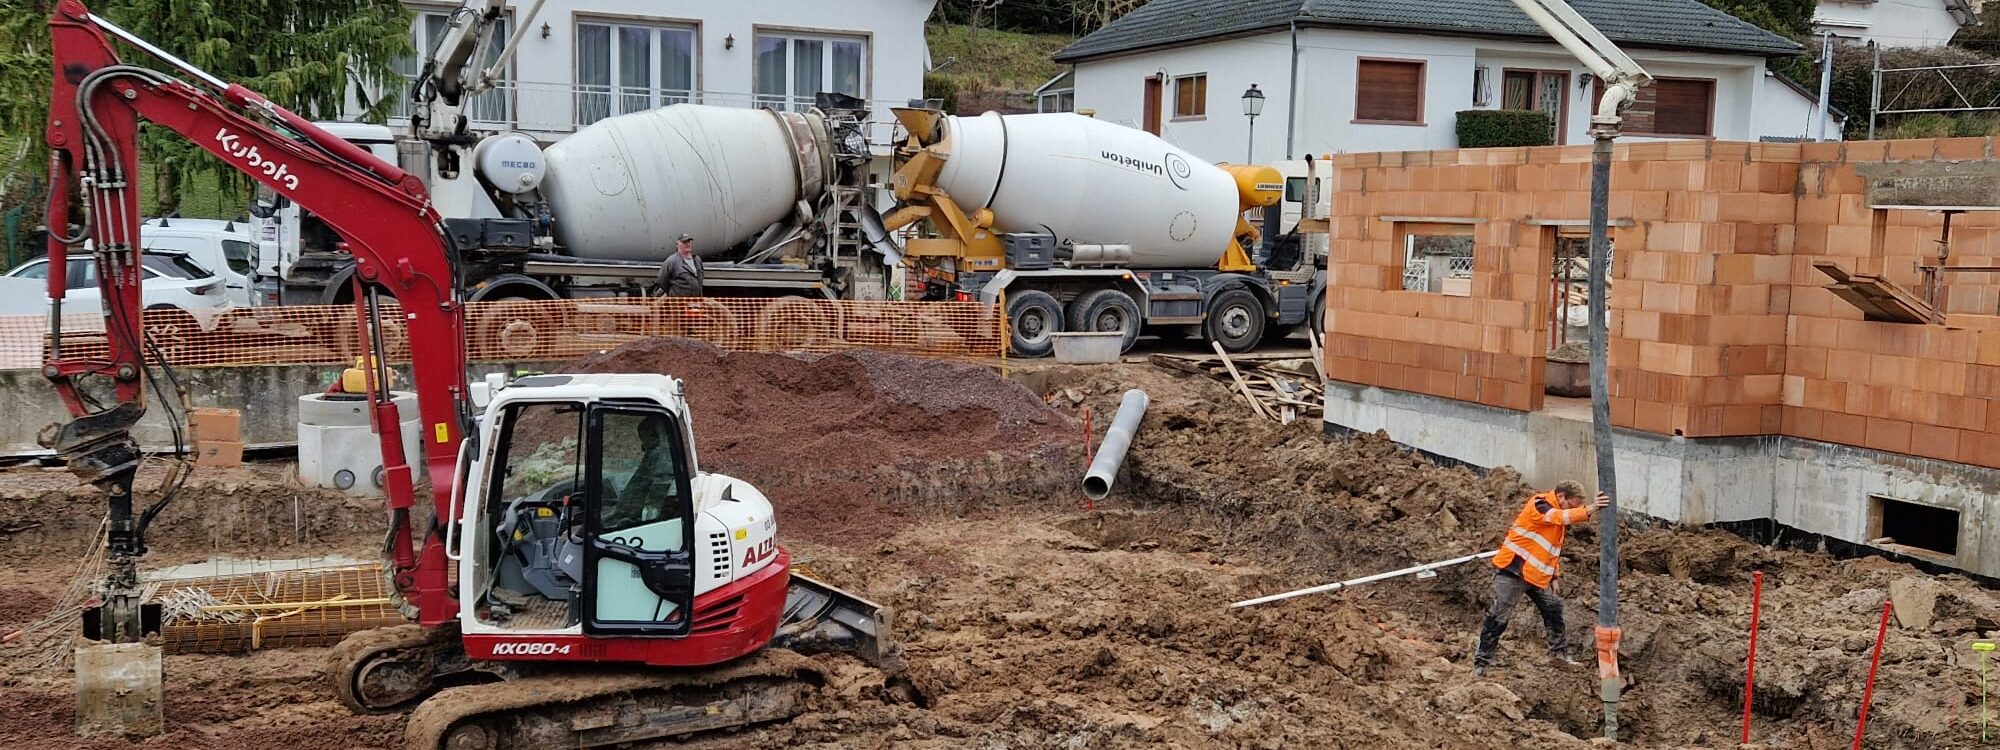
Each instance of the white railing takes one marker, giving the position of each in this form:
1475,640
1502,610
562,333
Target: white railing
564,108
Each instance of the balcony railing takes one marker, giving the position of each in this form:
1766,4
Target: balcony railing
559,108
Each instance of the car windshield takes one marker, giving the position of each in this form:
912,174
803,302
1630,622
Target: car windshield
176,265
34,270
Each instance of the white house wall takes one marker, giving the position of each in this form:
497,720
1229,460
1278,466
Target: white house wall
545,68
1890,23
1115,89
1785,113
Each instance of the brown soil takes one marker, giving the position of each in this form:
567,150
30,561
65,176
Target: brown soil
1029,622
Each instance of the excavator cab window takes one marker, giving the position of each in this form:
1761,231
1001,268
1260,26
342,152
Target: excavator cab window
534,512
638,561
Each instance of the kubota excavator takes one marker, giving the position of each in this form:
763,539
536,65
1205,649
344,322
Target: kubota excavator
605,589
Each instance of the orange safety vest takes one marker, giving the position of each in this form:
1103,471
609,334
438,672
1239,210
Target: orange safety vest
1537,539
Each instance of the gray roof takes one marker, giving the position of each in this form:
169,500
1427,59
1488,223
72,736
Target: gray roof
1669,24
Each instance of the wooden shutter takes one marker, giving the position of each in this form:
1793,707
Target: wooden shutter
1389,90
1681,106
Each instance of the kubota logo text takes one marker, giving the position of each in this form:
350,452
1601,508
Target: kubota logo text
249,155
529,649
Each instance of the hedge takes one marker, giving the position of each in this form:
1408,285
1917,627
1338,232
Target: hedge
1485,128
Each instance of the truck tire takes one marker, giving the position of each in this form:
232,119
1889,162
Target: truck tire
1318,322
1031,317
1235,320
1104,311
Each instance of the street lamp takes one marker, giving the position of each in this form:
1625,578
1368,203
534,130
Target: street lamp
1253,105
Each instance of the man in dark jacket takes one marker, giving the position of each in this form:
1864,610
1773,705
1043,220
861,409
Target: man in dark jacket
681,275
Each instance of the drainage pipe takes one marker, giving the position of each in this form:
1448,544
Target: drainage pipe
1117,439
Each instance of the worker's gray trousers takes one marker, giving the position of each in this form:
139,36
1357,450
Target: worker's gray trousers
1507,591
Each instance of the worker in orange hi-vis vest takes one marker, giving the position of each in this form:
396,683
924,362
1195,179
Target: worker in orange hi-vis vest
1528,563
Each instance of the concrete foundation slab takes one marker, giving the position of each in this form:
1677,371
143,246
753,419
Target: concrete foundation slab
1827,489
118,690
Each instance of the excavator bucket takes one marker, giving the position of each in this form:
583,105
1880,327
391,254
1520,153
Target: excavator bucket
820,618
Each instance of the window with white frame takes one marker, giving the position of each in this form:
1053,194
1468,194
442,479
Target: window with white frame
792,68
1191,96
427,28
623,68
1056,100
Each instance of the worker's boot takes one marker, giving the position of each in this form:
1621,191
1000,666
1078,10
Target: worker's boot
1563,657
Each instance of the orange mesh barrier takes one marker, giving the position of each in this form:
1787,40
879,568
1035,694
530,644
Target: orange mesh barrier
535,330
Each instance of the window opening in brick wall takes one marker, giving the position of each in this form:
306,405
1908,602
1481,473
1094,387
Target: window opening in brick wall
1917,527
1437,258
1569,315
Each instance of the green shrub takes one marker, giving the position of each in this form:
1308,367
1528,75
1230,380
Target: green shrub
941,88
1486,128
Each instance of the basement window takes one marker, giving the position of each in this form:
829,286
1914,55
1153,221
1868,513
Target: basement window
1911,527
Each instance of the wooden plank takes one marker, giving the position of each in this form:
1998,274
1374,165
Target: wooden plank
1182,364
1877,298
1312,340
1238,377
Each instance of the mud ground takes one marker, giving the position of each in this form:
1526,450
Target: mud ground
1030,622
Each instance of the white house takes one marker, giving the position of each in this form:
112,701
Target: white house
584,60
1895,23
1377,75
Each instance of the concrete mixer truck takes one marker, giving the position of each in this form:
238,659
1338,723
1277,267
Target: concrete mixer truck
1076,224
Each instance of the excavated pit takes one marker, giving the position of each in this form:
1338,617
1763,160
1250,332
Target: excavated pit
950,494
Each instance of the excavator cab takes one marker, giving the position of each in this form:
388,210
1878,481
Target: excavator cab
585,519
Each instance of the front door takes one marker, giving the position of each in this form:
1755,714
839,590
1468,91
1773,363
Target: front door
1539,91
1151,111
639,562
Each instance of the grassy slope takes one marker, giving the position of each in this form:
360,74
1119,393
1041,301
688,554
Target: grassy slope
1003,60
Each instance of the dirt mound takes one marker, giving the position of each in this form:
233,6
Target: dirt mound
856,439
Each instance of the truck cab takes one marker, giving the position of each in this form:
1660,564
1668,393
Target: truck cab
292,244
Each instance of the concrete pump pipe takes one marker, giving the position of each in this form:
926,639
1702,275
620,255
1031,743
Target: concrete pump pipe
625,187
1117,440
1091,182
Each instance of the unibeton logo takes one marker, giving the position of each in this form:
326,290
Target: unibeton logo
530,649
270,168
1130,162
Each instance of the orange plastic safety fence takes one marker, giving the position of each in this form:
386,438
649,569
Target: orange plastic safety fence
534,330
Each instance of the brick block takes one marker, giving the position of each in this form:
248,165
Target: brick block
1912,149
1846,429
1887,435
1805,423
1766,389
1936,442
1653,417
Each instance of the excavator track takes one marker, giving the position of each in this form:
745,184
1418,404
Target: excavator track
387,669
593,709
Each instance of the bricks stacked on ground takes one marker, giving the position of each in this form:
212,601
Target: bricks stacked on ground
217,436
1720,325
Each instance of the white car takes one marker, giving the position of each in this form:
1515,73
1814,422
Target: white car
172,280
227,247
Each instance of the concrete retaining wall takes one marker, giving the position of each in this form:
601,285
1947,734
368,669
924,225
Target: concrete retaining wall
1824,488
267,395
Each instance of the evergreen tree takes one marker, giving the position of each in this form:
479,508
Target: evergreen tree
301,54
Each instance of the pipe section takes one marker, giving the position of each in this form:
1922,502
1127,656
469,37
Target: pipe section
1117,440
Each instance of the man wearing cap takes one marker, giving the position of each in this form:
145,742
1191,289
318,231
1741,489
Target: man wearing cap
681,275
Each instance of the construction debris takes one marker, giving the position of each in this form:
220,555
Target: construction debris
1281,390
1877,297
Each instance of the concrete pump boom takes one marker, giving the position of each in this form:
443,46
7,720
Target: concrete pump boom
1622,79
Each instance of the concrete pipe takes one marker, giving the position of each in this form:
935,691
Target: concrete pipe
1117,440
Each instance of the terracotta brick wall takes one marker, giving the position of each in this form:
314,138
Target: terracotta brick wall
1720,324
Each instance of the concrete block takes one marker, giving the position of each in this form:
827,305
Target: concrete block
118,690
1914,601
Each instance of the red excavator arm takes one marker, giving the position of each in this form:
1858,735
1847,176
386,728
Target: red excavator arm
384,214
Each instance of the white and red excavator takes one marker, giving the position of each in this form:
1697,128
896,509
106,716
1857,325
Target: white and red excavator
575,579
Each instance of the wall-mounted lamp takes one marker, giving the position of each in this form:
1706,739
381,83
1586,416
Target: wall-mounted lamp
729,42
545,29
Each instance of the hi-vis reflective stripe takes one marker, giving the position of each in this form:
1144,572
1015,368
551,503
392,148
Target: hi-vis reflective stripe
1529,559
1554,551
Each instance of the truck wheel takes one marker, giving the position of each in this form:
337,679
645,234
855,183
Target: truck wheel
1235,320
1318,322
1031,317
794,324
510,328
1104,311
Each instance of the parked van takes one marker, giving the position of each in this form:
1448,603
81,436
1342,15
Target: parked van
225,247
